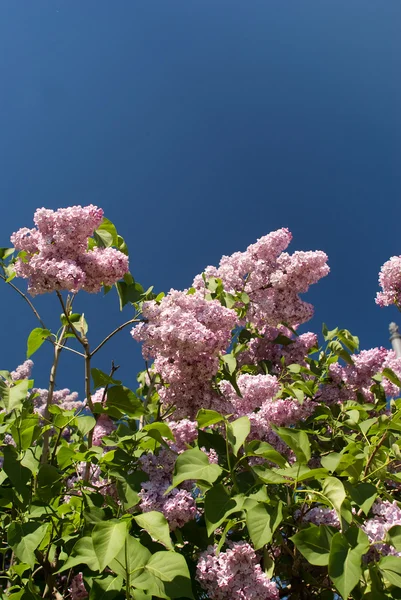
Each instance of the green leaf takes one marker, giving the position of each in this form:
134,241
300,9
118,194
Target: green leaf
171,568
230,362
265,450
283,340
314,544
334,491
106,234
36,339
105,588
268,475
219,505
156,525
194,464
390,567
101,379
49,482
141,595
24,538
394,537
297,441
391,376
13,397
331,461
17,474
363,494
6,252
162,429
26,432
262,520
207,417
294,368
132,558
124,401
127,493
237,432
83,553
132,293
85,424
345,568
108,539
300,472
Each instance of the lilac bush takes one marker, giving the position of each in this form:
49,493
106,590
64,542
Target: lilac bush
252,461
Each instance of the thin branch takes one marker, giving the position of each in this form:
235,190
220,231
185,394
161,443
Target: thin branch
67,316
114,368
25,297
119,328
70,349
52,383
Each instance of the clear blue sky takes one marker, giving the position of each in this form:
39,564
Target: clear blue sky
199,126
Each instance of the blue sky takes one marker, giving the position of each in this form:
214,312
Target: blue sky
199,127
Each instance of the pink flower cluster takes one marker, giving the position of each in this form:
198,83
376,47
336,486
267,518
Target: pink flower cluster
104,427
264,348
57,256
235,573
185,433
64,399
320,515
273,279
178,506
185,334
390,282
22,371
387,514
258,394
348,380
255,391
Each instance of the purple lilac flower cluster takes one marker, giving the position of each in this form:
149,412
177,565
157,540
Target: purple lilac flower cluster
387,514
349,380
77,588
264,348
22,371
56,255
258,394
235,573
390,282
178,506
321,515
185,334
272,278
65,399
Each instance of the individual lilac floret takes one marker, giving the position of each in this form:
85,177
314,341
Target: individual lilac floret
235,573
390,282
77,588
22,371
57,256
